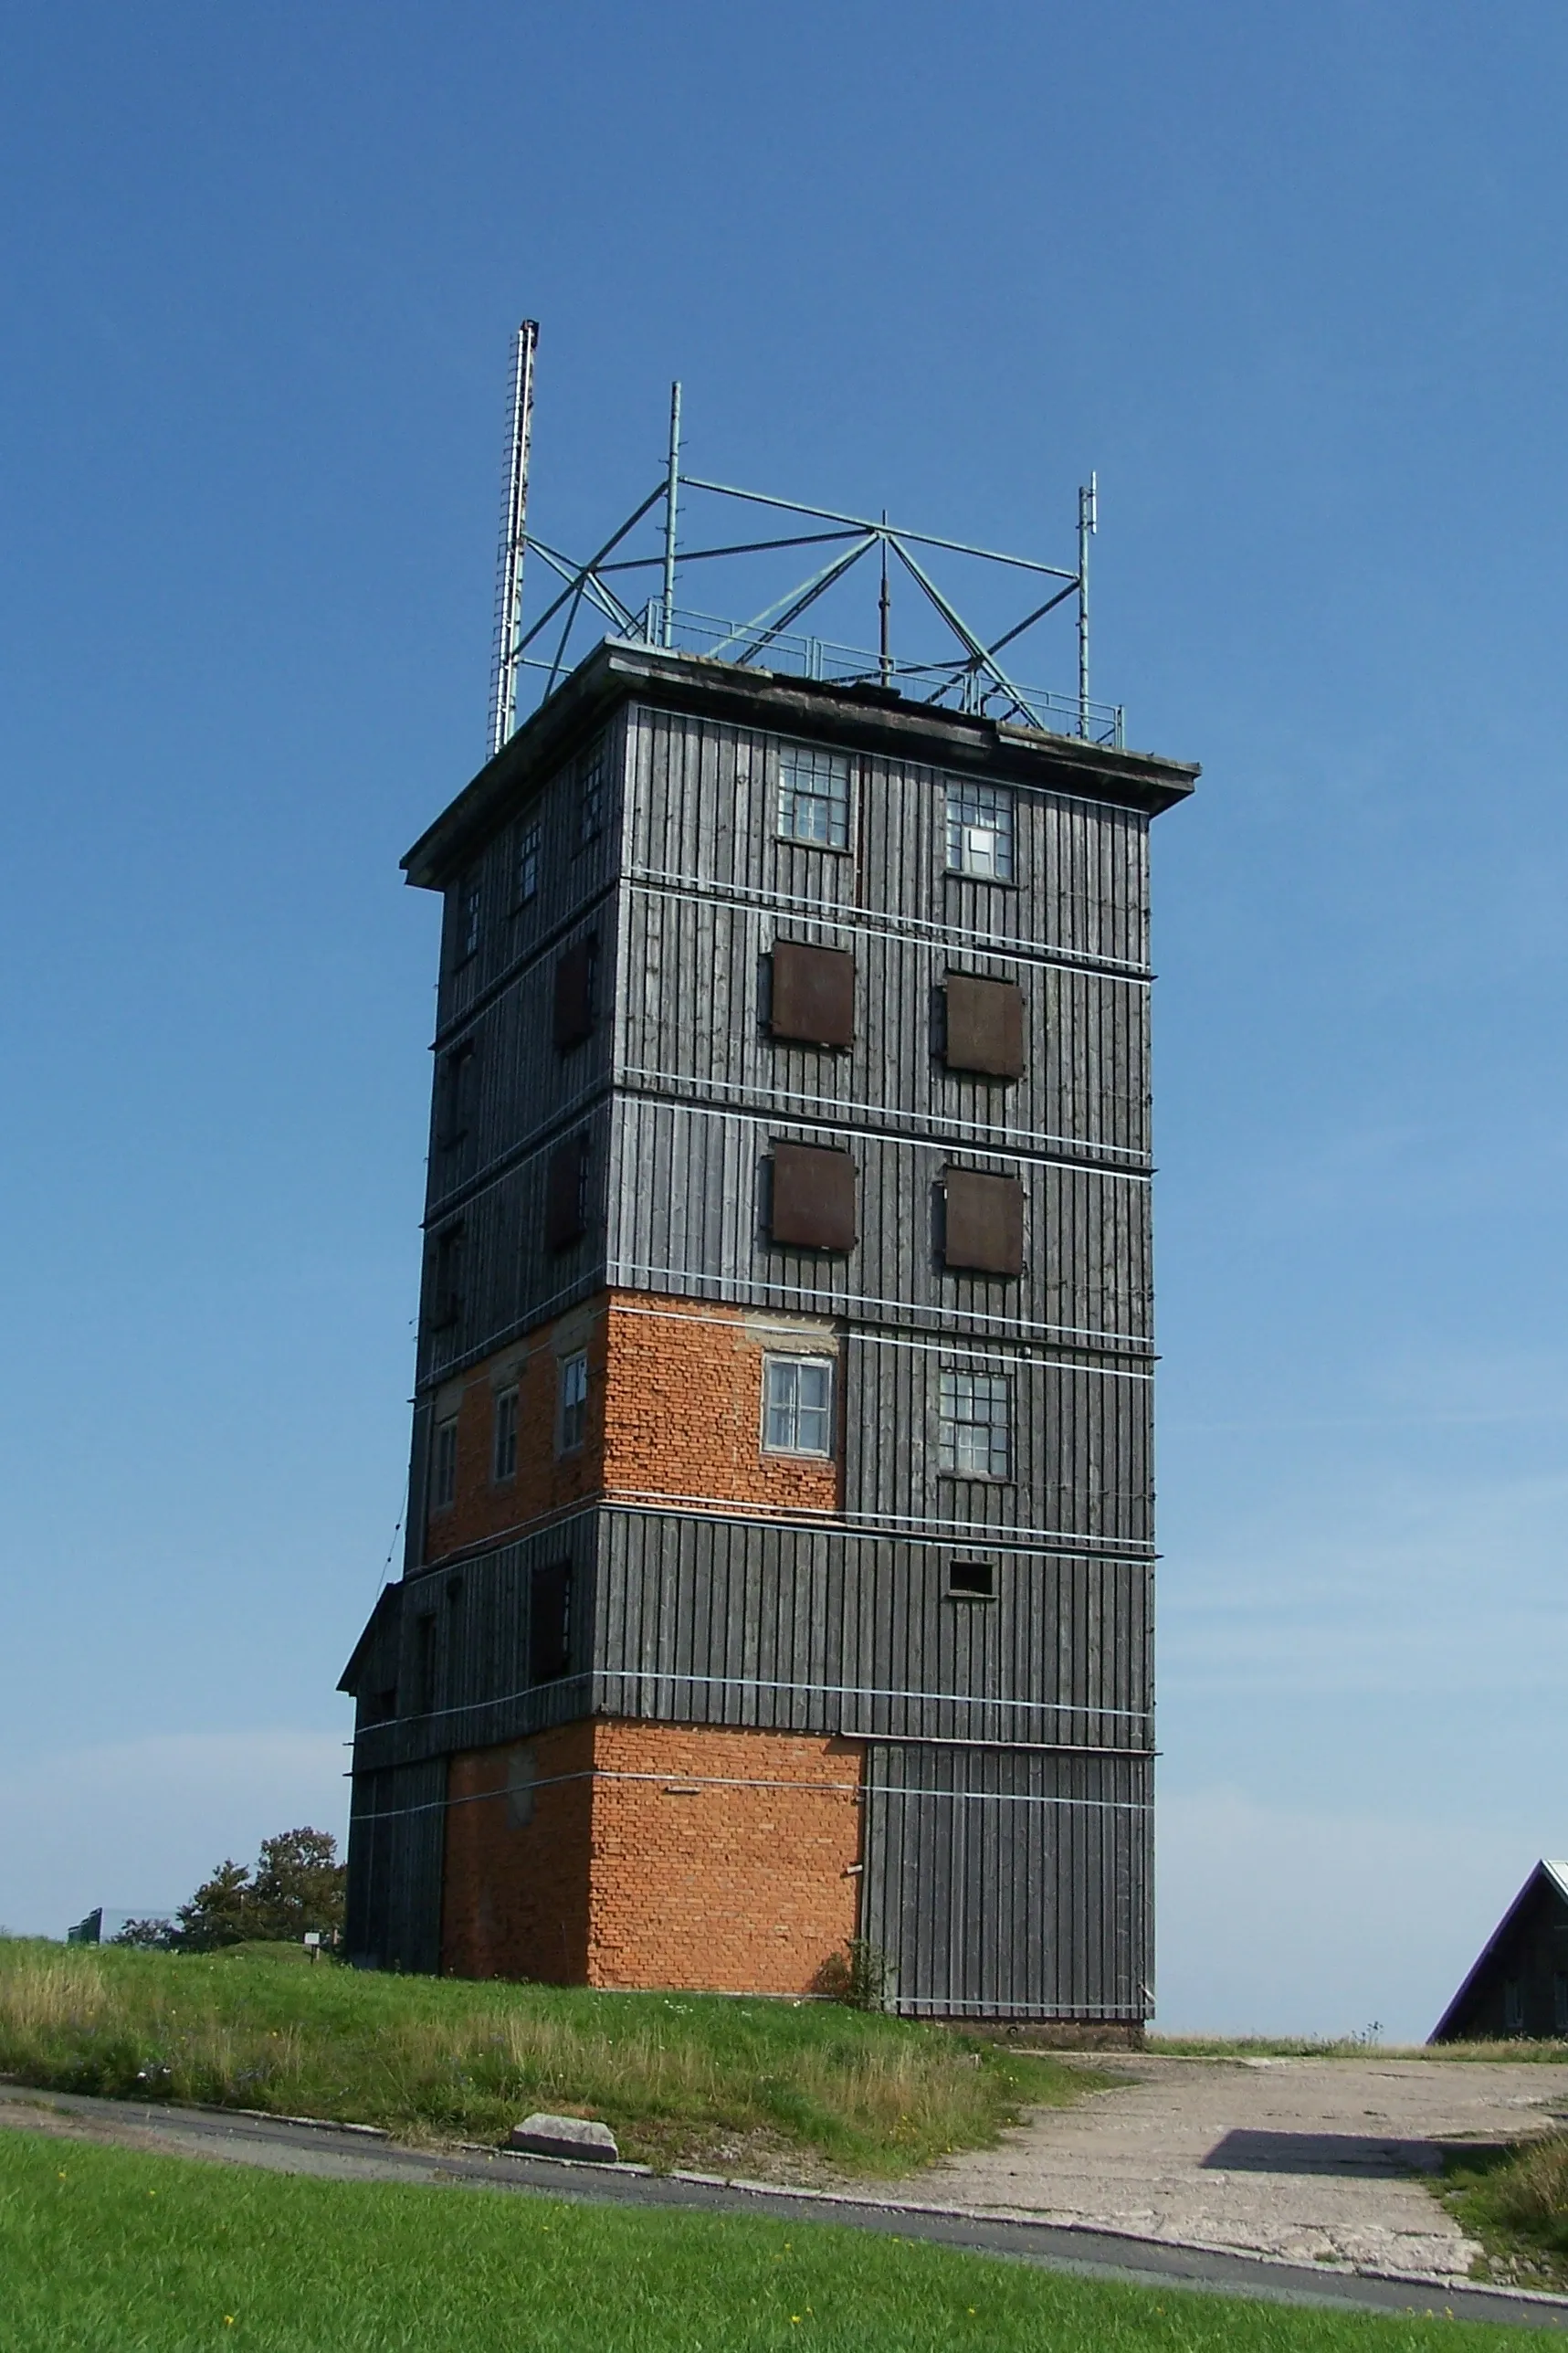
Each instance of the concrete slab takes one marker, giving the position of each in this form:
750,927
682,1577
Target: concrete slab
1306,2160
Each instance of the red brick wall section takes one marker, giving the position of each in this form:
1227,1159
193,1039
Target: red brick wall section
515,1893
675,1408
683,1410
546,1481
696,1858
728,1871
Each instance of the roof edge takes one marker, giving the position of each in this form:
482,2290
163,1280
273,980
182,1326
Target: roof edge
866,716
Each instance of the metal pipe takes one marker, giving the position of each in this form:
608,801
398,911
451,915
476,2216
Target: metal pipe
885,612
1087,524
671,493
915,538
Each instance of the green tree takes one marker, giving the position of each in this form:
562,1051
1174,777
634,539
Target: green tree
218,1913
299,1885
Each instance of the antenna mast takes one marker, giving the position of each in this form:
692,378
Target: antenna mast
514,543
1087,524
671,496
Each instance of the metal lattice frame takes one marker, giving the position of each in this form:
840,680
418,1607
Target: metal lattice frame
973,676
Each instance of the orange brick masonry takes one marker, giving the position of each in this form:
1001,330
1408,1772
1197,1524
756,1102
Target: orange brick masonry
675,1410
677,1856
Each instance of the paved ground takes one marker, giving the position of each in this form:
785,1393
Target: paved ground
288,2145
1307,2160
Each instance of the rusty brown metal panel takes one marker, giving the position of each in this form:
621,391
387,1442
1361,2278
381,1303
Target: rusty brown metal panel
813,995
813,1204
983,1228
984,1026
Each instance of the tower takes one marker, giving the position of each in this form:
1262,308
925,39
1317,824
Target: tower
781,1550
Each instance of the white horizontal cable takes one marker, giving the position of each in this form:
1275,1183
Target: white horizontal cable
741,1319
759,1683
918,927
992,1141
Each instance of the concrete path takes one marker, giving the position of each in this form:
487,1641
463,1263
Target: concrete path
296,2146
1306,2160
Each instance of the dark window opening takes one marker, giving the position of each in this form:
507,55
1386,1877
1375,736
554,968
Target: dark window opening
974,1580
566,1193
446,1287
812,993
574,994
590,792
529,842
573,1401
456,1096
443,1465
550,1621
504,1461
469,912
813,1197
984,1026
381,1706
983,1222
423,1665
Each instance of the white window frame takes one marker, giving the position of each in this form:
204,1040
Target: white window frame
503,1457
813,805
573,1424
783,1413
975,1413
981,823
444,1464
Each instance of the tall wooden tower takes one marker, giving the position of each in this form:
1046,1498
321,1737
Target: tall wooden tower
780,1548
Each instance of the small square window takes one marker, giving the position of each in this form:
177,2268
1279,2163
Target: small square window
505,1465
528,839
443,1465
980,831
976,1425
813,797
574,1402
797,1405
591,793
972,1581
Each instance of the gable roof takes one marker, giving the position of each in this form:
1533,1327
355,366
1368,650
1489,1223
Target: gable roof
1555,1874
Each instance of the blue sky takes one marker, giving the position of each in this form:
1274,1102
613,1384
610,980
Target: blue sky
1292,281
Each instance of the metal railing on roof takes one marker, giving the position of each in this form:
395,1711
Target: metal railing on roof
957,685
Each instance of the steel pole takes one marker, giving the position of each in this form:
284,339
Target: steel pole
671,495
514,524
1087,498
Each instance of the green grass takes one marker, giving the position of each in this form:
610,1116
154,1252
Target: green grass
680,2078
1515,2201
107,2251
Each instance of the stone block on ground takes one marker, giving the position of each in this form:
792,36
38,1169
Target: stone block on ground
580,2136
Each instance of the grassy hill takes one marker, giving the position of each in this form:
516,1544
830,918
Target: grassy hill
758,2085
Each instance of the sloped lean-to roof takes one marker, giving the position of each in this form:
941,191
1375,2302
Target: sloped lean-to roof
1555,1875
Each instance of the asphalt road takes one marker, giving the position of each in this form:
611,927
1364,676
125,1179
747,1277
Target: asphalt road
340,2153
